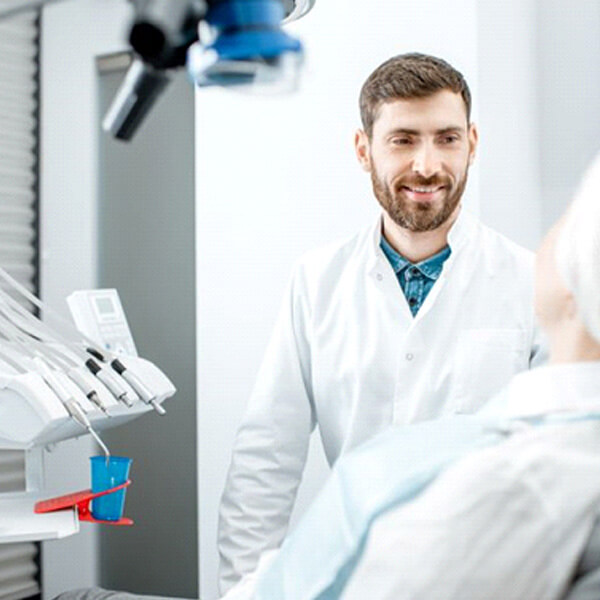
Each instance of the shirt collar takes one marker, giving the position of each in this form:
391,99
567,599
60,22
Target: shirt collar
431,267
564,388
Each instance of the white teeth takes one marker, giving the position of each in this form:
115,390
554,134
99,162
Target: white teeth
423,190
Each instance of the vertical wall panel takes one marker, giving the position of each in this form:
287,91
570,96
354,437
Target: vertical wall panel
19,42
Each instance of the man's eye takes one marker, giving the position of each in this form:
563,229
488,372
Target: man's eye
449,139
401,141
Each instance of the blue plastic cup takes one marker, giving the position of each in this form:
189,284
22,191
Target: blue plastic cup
107,474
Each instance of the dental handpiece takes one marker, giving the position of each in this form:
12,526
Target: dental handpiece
73,407
137,384
84,385
131,378
81,377
111,382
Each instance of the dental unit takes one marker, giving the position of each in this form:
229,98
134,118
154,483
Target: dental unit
58,383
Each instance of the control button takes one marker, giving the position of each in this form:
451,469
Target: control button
409,356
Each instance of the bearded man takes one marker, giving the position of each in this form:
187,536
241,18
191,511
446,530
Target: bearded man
425,313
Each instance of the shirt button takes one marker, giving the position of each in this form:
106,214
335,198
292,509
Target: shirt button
412,301
409,356
414,271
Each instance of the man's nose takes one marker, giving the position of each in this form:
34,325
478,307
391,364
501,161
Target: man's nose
426,160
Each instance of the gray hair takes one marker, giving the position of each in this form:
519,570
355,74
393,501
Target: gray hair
578,249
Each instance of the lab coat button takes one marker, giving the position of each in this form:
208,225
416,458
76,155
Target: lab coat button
379,276
409,356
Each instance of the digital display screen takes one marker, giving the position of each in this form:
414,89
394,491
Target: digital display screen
105,306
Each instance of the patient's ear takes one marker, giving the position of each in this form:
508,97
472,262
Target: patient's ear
571,311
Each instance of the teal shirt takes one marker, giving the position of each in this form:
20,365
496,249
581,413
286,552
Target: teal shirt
416,280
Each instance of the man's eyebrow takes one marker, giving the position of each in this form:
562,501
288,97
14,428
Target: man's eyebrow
445,130
403,131
450,129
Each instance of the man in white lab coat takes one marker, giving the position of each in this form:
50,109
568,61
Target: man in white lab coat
425,313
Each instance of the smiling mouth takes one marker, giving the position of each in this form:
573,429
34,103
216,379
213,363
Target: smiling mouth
423,191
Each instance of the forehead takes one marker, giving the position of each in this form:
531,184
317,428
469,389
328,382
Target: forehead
439,111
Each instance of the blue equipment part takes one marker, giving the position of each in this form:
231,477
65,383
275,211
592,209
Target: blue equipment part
249,46
232,13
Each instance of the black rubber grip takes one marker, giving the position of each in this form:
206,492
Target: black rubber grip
117,365
96,353
92,366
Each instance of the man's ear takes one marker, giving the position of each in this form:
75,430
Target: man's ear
473,141
362,149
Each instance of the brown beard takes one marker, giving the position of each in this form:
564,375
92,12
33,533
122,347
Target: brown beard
420,217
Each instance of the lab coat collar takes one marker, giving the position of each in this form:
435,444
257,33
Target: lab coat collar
563,388
460,233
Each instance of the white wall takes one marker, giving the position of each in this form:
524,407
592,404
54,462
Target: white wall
568,80
74,32
509,109
276,176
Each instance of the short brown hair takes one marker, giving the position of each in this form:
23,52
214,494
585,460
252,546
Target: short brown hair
409,76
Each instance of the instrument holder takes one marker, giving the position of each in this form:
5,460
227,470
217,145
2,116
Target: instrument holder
80,501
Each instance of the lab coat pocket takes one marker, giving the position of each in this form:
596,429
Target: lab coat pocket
484,362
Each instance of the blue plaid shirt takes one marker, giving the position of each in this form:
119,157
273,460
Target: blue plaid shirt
416,280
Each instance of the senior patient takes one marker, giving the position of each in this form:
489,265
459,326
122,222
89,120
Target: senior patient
499,505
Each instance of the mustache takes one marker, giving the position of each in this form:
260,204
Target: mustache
417,181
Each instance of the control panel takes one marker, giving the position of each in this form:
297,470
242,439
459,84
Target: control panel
99,315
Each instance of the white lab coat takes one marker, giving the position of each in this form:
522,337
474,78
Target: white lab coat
508,522
346,353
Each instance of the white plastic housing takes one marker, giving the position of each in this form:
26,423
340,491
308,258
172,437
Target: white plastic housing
32,415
